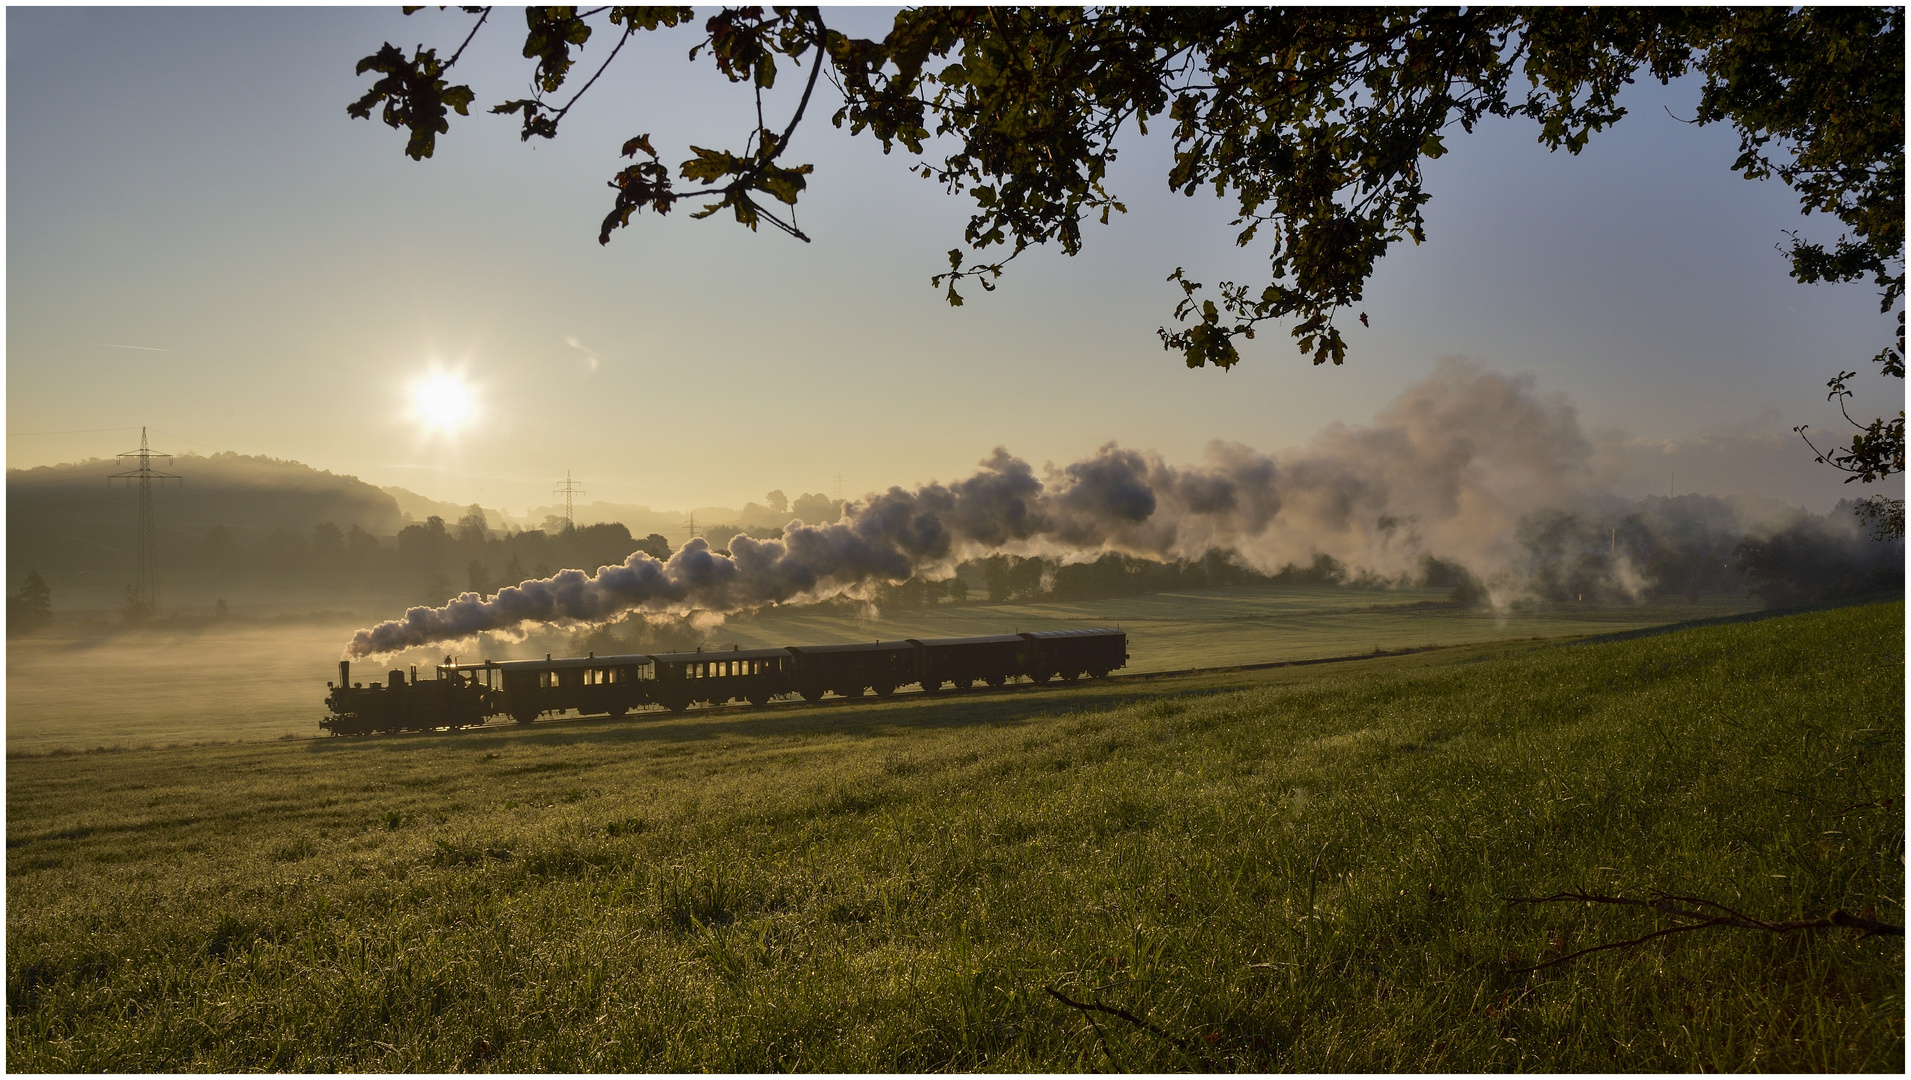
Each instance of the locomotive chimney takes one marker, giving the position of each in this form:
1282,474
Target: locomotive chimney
345,673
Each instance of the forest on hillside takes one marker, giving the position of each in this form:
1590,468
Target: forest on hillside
267,535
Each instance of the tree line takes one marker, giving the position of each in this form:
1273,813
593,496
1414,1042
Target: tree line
1689,547
444,558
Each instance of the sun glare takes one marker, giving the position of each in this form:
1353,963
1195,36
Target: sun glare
442,403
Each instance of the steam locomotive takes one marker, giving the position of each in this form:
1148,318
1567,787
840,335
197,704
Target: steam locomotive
467,695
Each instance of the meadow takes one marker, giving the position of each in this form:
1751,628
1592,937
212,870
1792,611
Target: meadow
1301,868
260,679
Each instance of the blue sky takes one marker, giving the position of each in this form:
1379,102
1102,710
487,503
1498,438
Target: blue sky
187,180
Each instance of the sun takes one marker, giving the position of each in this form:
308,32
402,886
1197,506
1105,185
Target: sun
443,403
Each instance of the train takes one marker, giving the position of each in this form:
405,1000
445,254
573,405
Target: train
464,695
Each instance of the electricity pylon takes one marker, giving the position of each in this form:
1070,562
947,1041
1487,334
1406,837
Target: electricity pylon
569,489
691,527
146,591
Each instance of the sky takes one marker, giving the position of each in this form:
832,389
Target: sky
199,240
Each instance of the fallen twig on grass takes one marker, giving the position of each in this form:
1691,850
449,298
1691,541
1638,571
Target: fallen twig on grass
1884,803
1101,1040
1087,1007
1668,904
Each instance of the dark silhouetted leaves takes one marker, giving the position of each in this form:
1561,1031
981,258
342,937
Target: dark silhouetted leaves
413,94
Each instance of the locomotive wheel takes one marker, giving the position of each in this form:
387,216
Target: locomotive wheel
1071,676
964,683
932,686
995,681
885,691
1098,673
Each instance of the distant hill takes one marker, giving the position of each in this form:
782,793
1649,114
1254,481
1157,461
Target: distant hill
418,507
235,490
266,536
814,509
79,530
640,520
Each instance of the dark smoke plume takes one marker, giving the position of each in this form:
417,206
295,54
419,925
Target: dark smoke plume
1449,470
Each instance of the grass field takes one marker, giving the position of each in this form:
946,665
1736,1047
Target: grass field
245,680
1301,868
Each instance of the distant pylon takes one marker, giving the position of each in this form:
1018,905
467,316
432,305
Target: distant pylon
691,527
839,487
569,489
146,589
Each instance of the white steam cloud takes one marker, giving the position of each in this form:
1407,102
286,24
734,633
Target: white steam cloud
1449,469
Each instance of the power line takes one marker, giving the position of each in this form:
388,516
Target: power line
146,592
569,489
73,431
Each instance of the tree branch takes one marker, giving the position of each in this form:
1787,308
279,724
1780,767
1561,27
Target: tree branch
467,39
629,30
1147,1025
1665,904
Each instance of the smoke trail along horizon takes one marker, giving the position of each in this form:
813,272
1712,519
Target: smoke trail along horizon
1448,469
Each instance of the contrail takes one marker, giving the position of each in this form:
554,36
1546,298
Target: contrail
590,357
1450,469
109,345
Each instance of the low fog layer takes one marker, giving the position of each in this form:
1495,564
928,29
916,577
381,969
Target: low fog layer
1467,469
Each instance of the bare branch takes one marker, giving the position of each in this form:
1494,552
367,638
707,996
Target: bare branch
1665,905
1620,944
467,39
629,30
1147,1025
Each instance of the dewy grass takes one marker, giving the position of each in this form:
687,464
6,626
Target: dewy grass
1298,869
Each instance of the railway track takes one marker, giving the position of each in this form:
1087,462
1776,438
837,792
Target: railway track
1017,686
